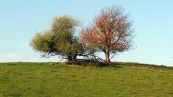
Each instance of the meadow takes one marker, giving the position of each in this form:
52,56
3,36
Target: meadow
24,79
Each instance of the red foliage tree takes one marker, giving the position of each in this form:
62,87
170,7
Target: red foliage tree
110,33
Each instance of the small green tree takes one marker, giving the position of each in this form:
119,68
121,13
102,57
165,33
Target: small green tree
59,40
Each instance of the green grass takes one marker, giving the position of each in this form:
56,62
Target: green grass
59,80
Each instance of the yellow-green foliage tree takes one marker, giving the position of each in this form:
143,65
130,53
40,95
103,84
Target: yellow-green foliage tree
59,40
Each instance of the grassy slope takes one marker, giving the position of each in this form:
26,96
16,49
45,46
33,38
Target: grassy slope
45,80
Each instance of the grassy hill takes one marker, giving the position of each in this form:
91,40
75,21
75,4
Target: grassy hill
60,80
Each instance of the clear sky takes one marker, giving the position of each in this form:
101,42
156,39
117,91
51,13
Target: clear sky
21,19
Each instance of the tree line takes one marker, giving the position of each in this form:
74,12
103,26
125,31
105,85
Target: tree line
110,33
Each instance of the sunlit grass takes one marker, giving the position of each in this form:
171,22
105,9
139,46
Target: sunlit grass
60,80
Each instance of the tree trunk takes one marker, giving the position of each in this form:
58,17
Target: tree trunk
107,57
71,57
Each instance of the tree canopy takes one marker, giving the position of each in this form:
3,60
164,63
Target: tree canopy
59,40
111,32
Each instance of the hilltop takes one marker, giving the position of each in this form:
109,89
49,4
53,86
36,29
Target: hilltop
25,79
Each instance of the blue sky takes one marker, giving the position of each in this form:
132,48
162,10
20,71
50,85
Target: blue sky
21,19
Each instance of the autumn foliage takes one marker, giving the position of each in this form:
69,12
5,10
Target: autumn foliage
111,32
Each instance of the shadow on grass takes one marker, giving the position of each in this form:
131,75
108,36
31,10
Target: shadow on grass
93,63
116,64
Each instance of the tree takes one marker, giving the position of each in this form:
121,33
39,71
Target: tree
110,33
59,40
